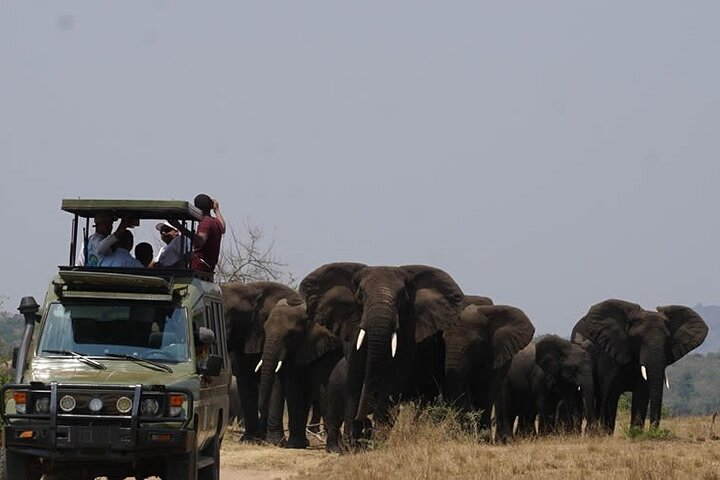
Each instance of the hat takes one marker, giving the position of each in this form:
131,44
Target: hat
159,226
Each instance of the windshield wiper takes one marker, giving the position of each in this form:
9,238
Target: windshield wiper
80,357
141,361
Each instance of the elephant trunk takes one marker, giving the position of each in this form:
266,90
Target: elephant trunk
656,377
588,399
456,371
271,357
652,361
381,325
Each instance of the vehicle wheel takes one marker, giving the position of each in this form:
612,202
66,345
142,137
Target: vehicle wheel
212,472
182,467
15,466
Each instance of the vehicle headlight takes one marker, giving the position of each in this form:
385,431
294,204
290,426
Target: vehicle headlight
178,404
20,399
95,405
149,407
124,404
67,403
42,404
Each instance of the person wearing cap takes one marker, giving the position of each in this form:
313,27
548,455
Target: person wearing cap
206,240
171,255
100,243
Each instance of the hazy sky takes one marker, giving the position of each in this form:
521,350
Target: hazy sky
548,154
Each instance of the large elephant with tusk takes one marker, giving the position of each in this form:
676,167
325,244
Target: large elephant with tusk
631,348
247,308
302,354
390,320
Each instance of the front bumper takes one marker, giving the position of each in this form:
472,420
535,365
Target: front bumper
107,438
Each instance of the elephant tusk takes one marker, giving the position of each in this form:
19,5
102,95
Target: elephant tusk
643,370
361,337
258,366
277,369
578,388
393,344
667,382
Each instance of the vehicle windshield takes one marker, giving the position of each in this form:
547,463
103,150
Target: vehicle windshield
141,330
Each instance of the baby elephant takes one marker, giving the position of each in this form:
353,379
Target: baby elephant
550,379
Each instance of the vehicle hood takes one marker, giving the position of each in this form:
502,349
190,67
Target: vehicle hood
118,372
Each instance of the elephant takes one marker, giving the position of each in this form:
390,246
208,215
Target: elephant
390,321
302,354
631,348
569,389
478,351
522,394
247,308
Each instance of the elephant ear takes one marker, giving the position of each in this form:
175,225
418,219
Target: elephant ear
510,330
329,292
550,352
267,296
318,342
687,330
606,324
436,298
241,313
477,300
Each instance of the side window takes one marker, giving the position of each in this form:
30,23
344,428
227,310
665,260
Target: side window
222,341
210,318
216,322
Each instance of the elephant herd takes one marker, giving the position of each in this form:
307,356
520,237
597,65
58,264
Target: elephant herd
357,339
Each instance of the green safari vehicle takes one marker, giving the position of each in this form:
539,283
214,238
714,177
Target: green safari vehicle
122,371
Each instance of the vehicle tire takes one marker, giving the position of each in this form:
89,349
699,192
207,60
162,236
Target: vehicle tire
212,472
17,466
182,467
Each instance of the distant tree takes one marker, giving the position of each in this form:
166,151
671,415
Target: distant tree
685,387
250,259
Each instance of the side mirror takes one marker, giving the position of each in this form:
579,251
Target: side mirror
211,366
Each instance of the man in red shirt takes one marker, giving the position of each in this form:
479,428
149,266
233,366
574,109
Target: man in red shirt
206,242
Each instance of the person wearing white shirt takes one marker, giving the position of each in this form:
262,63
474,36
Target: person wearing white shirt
171,255
120,257
100,243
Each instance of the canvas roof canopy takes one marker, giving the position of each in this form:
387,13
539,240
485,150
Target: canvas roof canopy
140,209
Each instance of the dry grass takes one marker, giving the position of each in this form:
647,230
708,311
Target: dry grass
423,445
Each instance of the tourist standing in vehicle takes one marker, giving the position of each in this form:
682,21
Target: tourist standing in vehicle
100,243
206,240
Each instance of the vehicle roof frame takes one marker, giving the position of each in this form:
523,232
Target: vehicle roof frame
179,210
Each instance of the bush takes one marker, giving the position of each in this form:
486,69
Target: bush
638,433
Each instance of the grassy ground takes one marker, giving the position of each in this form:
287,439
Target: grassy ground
432,446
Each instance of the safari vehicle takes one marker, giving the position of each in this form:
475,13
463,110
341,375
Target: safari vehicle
126,372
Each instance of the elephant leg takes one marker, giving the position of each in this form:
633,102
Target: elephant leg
275,430
298,409
248,390
316,417
335,406
610,412
640,399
